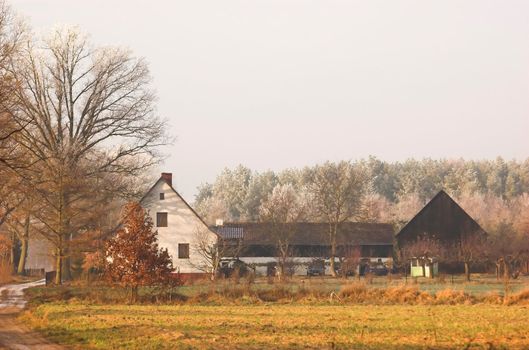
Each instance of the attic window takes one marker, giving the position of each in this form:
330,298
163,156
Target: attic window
162,196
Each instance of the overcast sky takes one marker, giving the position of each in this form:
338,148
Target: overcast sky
288,83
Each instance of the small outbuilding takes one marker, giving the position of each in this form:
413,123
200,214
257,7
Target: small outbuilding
424,267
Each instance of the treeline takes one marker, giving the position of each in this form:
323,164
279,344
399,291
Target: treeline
495,192
78,133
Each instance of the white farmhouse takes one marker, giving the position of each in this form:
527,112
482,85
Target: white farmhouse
179,227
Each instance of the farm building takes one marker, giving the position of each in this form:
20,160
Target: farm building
178,225
179,228
442,219
372,241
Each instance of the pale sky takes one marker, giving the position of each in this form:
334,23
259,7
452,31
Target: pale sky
287,83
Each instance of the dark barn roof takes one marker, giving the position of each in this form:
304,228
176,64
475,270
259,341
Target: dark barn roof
442,219
311,234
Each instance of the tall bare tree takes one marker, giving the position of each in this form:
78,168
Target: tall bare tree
12,35
337,190
281,211
210,249
82,112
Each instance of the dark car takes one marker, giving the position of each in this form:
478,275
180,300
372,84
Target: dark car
379,269
316,268
229,266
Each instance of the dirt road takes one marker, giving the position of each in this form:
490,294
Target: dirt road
14,335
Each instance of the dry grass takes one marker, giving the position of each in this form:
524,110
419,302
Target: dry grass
520,298
224,292
284,316
412,295
283,326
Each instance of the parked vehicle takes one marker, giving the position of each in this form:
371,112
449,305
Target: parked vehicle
379,269
316,268
229,266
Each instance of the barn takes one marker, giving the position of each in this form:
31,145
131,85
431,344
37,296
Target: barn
373,241
441,219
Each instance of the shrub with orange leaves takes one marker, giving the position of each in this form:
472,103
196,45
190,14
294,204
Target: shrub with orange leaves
133,258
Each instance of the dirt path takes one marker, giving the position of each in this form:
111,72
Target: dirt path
14,335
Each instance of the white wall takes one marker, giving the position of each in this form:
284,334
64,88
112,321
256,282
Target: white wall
300,263
182,226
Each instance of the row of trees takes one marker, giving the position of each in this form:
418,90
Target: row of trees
78,133
375,191
334,193
390,192
237,193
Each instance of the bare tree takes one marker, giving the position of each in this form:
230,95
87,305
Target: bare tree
210,249
82,112
350,260
282,210
12,35
84,102
471,248
337,190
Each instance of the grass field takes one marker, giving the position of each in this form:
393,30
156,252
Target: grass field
302,314
283,326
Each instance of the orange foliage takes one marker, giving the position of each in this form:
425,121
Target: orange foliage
133,256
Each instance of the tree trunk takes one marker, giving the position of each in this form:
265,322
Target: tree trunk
332,267
280,273
21,269
24,248
333,251
58,267
506,270
12,253
467,271
66,267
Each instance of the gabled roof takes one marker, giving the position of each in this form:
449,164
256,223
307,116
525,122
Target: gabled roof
441,216
310,234
179,196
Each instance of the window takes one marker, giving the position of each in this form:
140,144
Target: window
183,250
161,219
162,196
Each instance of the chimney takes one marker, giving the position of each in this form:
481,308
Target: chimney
168,177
